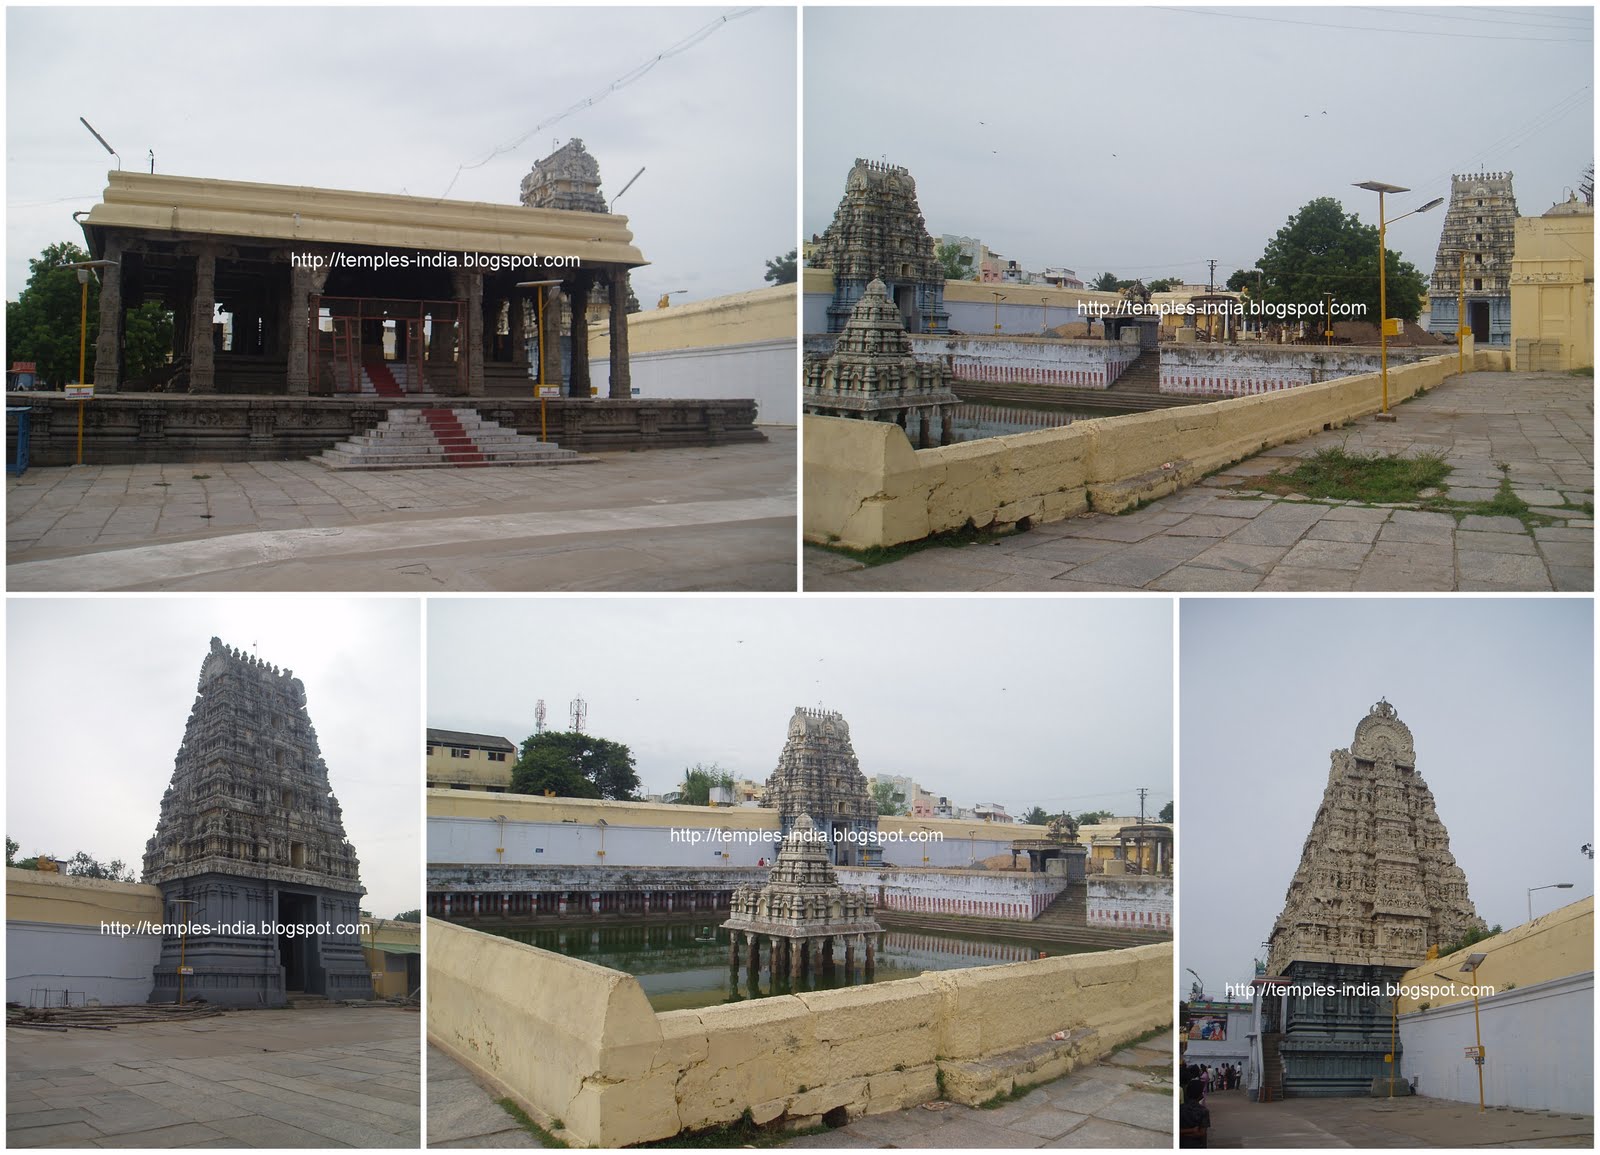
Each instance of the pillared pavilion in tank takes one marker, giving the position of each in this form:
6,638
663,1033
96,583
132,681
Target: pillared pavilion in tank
1376,887
250,849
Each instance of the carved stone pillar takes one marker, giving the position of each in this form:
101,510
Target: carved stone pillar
299,319
621,380
469,291
108,345
577,291
202,348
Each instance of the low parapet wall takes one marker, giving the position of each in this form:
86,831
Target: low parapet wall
865,486
580,1044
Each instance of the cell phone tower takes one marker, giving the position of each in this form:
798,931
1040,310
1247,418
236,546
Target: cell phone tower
580,715
538,716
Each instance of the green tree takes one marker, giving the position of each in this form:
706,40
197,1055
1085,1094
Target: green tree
1324,250
698,782
409,916
954,266
1107,283
1166,813
782,270
1036,817
887,797
84,865
1469,938
43,324
1243,280
1094,817
575,765
1163,285
12,846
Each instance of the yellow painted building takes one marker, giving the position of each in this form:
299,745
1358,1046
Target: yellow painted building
462,761
393,950
765,314
1552,946
1552,289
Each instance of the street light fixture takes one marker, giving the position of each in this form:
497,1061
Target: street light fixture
998,297
1383,297
1547,886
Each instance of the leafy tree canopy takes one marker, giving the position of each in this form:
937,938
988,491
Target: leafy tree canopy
782,270
955,269
1243,280
1036,817
698,781
1166,813
1323,250
1107,283
43,324
1094,817
409,915
887,799
571,764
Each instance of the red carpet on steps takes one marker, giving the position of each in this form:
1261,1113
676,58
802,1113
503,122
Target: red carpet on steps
382,380
458,447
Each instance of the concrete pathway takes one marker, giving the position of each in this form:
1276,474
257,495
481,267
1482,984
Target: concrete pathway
720,518
1407,1122
334,1077
1225,534
1124,1101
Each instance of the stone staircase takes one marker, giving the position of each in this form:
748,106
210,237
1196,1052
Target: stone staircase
1143,376
432,438
300,1001
1271,1070
377,377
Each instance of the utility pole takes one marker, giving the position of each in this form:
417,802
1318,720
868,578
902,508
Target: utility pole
1211,277
1143,790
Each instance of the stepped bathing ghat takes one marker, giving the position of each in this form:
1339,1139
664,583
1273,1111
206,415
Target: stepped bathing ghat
305,316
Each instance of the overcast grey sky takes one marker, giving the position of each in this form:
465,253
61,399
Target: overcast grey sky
1499,697
1145,141
98,691
393,100
1061,702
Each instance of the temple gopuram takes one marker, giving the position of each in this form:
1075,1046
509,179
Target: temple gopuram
251,838
819,778
878,233
1376,887
1473,263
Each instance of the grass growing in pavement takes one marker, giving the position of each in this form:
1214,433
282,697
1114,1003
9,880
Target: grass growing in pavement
1336,473
546,1139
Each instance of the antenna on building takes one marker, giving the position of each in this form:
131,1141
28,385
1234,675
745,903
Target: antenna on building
580,715
538,716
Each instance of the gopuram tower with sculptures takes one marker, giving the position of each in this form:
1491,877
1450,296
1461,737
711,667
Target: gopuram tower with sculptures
818,776
250,847
878,233
1376,890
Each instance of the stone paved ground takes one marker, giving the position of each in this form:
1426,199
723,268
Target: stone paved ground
1124,1101
334,1077
721,518
1224,534
1408,1122
463,1114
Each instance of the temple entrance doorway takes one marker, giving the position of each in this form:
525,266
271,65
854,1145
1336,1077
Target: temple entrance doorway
295,945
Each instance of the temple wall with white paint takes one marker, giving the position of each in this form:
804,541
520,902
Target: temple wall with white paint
1246,370
977,894
1130,903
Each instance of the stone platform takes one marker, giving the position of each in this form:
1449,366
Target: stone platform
442,439
140,428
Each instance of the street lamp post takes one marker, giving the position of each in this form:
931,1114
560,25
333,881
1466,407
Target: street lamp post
538,307
1383,294
1461,320
998,297
1548,886
183,927
83,268
1474,961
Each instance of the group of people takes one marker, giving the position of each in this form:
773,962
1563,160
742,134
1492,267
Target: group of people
1198,1081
